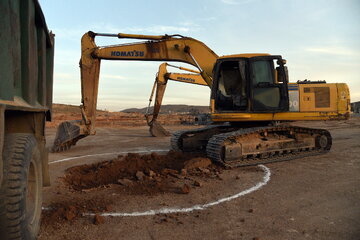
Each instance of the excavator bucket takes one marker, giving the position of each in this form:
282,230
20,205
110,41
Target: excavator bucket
68,133
156,130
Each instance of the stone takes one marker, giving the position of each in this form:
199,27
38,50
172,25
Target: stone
197,183
168,171
125,182
70,213
183,172
197,162
98,219
140,175
204,170
152,174
185,189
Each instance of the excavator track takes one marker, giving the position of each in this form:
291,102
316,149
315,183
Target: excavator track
252,146
196,139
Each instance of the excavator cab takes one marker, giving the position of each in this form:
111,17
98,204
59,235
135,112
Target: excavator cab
250,84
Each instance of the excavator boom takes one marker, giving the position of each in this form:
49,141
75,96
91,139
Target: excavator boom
157,48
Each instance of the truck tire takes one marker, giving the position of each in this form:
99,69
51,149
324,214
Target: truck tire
21,189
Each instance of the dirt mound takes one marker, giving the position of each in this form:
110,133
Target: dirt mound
144,174
69,211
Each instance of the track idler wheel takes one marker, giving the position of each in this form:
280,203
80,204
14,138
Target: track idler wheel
323,141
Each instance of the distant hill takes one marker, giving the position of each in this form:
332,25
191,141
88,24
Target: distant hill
165,109
66,108
172,108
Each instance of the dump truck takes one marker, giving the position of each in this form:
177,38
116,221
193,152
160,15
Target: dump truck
26,82
250,101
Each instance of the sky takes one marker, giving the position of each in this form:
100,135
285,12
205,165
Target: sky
320,39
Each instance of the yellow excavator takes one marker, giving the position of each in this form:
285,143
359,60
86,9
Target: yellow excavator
162,77
250,101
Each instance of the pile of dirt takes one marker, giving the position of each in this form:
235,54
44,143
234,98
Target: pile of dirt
69,211
145,174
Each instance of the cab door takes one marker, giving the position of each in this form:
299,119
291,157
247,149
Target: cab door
268,84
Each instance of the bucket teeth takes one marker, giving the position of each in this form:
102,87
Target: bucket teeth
68,133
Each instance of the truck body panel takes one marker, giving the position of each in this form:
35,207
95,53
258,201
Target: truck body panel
26,69
26,73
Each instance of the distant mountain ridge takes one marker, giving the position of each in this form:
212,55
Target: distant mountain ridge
172,108
67,108
165,109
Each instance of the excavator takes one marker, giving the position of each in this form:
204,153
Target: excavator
250,101
162,77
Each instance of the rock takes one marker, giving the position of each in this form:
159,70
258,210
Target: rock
185,189
125,182
197,162
168,171
70,213
151,174
157,179
98,219
204,170
197,183
183,172
140,175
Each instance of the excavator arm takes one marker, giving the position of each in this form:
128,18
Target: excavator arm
156,48
162,77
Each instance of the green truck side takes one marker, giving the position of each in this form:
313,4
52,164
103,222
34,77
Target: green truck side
26,82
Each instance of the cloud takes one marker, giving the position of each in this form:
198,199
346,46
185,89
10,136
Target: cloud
61,75
231,2
110,76
333,51
159,29
207,19
182,28
75,34
237,2
355,96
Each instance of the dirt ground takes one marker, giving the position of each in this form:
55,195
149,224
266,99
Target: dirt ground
310,198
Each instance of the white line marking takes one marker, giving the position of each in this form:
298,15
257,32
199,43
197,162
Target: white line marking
100,154
259,185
